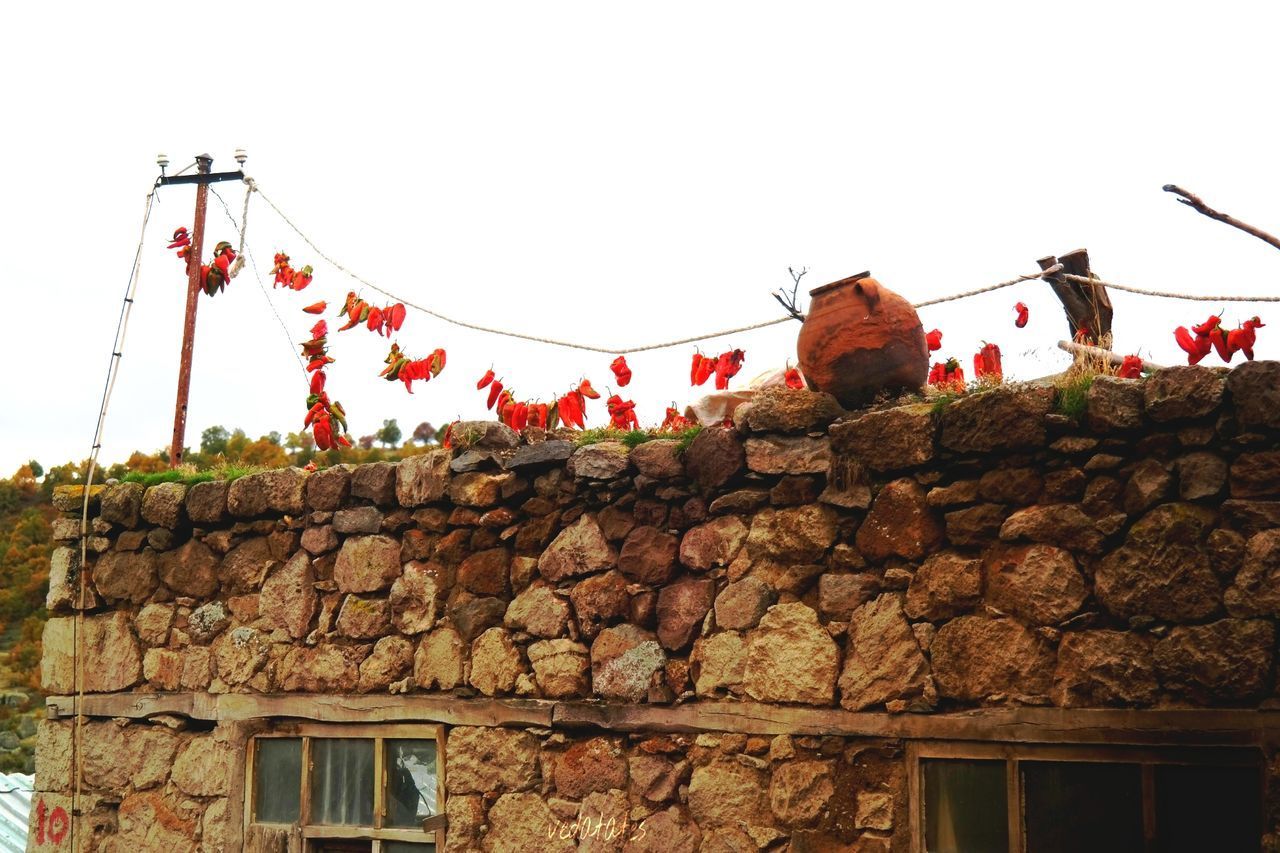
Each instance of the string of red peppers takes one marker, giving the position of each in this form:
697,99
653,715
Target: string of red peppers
288,276
724,367
322,413
1210,335
215,275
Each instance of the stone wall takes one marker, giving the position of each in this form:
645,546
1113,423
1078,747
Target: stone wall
989,551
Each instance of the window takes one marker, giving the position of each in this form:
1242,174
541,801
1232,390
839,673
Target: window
372,789
993,798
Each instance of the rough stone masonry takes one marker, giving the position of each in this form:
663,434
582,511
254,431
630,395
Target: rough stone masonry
924,559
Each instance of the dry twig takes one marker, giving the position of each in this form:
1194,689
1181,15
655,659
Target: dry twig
789,302
1194,202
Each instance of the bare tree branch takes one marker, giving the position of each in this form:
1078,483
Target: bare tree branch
789,302
1194,202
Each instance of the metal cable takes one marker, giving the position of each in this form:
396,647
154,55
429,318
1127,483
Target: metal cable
113,371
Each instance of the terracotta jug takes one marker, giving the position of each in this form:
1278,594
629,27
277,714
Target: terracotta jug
860,339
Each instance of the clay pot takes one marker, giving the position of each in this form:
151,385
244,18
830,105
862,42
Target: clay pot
860,339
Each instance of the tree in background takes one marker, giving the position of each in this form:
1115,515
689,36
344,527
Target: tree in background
214,440
424,433
366,441
390,433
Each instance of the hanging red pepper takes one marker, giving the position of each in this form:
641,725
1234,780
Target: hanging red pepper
585,389
986,363
934,340
1243,338
948,373
727,366
622,414
495,388
695,367
793,379
706,367
620,370
674,421
485,380
1131,368
316,307
447,440
1021,308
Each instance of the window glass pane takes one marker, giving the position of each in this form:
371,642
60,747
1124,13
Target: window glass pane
406,847
965,806
277,779
1208,808
342,781
1071,806
411,781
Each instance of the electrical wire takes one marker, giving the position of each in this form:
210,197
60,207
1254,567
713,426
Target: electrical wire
245,250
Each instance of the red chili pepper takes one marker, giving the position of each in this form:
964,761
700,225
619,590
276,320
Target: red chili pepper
1218,337
585,389
986,362
694,368
322,429
1214,321
706,366
316,308
934,340
317,382
1243,338
1021,322
447,441
495,388
520,417
375,319
620,370
485,380
793,379
437,359
1131,368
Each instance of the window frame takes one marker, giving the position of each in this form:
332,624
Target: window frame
1146,757
379,734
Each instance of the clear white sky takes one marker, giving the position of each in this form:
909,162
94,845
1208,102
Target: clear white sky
605,172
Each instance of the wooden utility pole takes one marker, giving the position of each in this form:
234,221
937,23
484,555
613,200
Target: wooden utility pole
204,177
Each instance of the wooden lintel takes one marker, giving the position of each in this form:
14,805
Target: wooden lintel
1225,727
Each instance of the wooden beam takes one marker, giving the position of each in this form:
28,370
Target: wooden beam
386,708
1223,727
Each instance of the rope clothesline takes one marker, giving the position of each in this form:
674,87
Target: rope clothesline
1164,294
1055,269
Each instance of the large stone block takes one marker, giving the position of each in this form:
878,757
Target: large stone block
423,478
280,491
1005,418
111,658
1255,393
1182,393
1226,661
900,524
1163,569
1038,584
884,661
790,658
483,760
975,657
1104,668
788,410
367,564
888,440
579,549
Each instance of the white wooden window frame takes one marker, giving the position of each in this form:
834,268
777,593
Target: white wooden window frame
379,734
